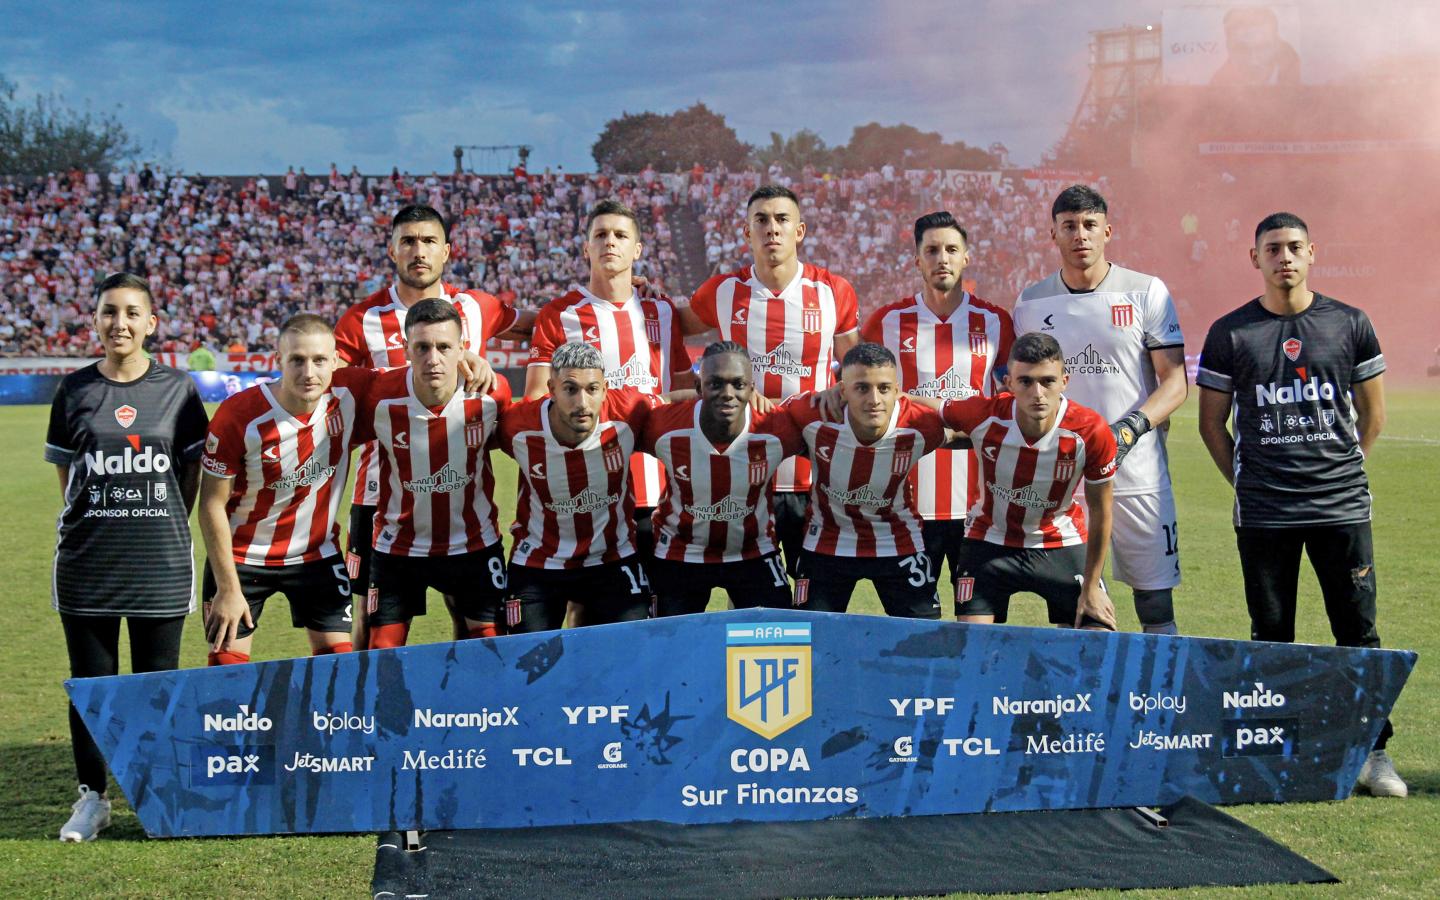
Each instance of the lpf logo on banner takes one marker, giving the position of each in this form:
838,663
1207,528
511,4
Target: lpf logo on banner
767,676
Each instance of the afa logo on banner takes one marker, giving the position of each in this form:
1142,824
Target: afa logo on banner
767,676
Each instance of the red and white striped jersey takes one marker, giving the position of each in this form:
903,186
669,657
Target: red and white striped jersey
1027,490
573,507
641,343
861,502
790,335
436,486
371,335
287,473
949,359
718,503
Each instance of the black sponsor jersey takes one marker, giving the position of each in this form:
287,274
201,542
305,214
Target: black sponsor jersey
124,535
1297,455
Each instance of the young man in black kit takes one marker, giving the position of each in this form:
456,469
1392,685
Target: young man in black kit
1302,373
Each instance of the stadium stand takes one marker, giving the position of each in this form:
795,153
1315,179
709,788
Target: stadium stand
240,255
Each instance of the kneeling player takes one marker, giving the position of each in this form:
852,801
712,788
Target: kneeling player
435,524
714,523
575,517
862,521
275,466
1026,532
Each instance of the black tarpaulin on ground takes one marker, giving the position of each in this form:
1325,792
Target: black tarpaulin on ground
999,853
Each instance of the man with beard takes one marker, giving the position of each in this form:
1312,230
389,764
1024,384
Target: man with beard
950,345
372,334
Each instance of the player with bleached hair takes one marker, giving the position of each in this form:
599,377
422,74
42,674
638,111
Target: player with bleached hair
574,533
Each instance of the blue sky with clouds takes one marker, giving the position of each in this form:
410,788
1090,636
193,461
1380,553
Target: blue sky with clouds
238,88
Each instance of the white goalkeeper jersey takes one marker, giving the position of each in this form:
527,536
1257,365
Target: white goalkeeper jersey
1107,335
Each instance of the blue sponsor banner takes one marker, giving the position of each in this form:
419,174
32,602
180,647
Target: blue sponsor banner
213,386
759,715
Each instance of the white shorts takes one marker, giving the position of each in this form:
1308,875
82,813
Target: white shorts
1144,544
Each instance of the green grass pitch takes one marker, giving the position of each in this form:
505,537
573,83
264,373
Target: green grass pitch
1377,847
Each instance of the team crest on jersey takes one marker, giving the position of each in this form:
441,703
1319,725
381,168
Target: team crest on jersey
810,321
652,331
1064,468
767,676
125,415
614,459
964,589
1291,348
335,424
474,434
901,463
1122,315
979,343
759,472
212,442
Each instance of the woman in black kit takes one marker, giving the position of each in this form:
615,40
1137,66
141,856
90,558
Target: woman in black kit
126,436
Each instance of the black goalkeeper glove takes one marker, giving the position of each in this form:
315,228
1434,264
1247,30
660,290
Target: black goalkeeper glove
1128,431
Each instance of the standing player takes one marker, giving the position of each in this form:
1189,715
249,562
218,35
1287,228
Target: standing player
574,533
435,524
1302,374
862,521
638,337
1127,363
1032,447
371,334
276,462
795,320
125,437
950,346
713,526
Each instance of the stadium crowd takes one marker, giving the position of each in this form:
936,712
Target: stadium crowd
244,254
858,224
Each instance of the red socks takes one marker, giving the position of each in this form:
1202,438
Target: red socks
484,630
228,658
342,647
385,636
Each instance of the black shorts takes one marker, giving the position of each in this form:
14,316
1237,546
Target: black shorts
477,581
359,544
318,592
906,584
988,574
942,543
684,587
789,512
610,592
644,534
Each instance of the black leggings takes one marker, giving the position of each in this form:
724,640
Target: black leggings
94,645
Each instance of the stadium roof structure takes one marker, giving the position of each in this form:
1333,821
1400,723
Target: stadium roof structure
1124,62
